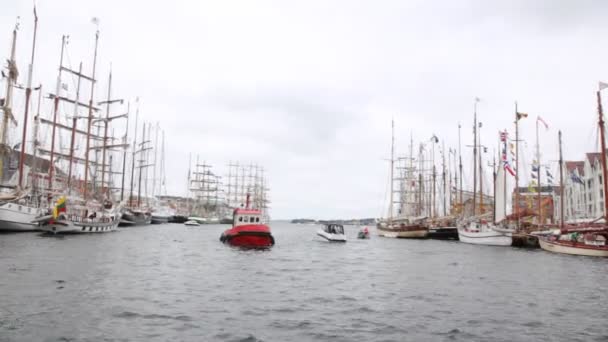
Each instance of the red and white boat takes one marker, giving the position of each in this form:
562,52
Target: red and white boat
248,230
588,243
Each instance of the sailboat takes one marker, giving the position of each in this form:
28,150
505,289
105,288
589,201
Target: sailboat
134,214
91,211
404,225
590,240
21,205
480,229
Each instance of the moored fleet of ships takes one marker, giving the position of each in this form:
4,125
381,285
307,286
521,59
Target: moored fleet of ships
75,168
71,164
428,198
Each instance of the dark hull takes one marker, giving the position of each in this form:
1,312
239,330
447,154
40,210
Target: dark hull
178,219
160,219
130,220
447,233
226,221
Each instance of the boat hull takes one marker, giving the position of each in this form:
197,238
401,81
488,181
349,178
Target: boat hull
331,237
443,233
160,219
69,227
248,236
362,235
412,232
178,219
572,248
130,220
488,238
18,218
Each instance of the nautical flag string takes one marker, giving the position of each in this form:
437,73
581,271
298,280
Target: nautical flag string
504,136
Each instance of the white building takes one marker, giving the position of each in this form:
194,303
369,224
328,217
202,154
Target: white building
584,192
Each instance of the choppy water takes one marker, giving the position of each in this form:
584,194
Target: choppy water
177,283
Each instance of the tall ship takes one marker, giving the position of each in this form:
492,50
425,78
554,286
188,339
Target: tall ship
22,198
479,225
409,223
87,198
582,239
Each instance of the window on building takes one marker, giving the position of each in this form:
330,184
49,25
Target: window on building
600,179
601,193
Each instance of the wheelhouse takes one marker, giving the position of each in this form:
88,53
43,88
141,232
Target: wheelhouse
244,217
334,228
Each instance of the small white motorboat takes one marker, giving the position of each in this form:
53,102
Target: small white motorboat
192,223
332,232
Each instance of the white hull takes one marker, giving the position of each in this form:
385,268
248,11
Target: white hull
489,238
86,226
331,237
192,223
551,246
18,218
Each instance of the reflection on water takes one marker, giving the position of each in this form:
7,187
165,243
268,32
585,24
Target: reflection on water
173,282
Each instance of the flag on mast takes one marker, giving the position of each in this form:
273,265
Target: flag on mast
603,85
521,115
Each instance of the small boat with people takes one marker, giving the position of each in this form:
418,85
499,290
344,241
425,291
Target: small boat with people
363,233
248,229
578,242
332,232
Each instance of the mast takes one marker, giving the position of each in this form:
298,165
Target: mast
124,155
540,209
74,123
460,167
444,180
28,93
390,204
55,109
90,120
495,186
475,157
603,152
7,106
105,136
155,160
162,183
141,166
561,182
35,137
504,174
517,165
134,151
480,171
433,199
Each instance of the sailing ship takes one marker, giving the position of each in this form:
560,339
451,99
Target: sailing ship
21,204
90,204
481,228
405,225
589,240
137,212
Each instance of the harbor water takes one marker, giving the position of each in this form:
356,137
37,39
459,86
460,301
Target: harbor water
177,283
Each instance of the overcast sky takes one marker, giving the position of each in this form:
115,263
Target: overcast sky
308,88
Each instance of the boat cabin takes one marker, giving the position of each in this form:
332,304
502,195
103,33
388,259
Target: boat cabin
244,217
334,228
